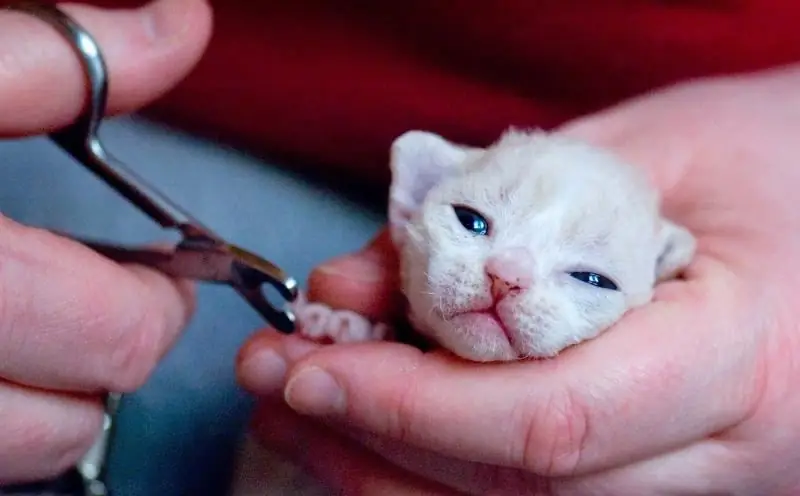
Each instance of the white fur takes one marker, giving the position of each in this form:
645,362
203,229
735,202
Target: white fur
554,206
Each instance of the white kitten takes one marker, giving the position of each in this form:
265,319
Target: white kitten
519,250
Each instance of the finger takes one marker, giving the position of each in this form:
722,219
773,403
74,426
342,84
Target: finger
43,434
629,394
365,282
71,319
466,476
148,50
337,462
707,467
261,363
261,369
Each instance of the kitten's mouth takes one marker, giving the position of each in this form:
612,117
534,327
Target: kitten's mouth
492,313
487,318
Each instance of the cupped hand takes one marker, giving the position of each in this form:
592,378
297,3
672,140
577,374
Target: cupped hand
695,393
73,324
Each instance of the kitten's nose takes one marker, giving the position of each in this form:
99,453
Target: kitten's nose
510,271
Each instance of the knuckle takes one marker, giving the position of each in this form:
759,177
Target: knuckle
555,435
401,419
405,406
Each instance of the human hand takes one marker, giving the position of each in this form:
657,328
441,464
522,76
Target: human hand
694,393
73,324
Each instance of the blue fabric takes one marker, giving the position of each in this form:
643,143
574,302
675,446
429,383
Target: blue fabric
177,435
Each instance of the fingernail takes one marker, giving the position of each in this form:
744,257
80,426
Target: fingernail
354,267
263,373
296,349
163,20
314,392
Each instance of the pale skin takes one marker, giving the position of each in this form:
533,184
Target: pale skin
57,293
694,393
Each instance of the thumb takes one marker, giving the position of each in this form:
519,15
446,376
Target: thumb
365,282
148,50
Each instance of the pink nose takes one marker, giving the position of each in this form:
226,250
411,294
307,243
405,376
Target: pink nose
510,271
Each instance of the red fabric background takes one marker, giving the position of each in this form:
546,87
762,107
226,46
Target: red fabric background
333,82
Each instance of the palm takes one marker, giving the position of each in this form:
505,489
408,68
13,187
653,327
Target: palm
683,394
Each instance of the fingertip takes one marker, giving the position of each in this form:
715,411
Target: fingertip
365,282
147,50
262,362
174,297
187,290
172,37
379,357
323,384
262,372
150,49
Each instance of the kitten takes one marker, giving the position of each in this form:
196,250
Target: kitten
518,250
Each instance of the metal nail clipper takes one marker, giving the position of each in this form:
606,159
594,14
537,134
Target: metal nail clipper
201,254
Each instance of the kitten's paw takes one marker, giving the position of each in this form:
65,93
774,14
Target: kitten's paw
319,322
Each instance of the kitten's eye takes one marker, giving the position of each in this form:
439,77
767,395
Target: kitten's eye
594,279
472,220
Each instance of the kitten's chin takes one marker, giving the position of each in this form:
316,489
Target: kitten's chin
475,336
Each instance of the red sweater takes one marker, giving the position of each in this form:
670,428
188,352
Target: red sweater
332,82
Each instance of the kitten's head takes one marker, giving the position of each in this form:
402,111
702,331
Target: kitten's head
526,247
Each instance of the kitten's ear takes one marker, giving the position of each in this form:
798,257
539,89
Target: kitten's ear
677,250
419,160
